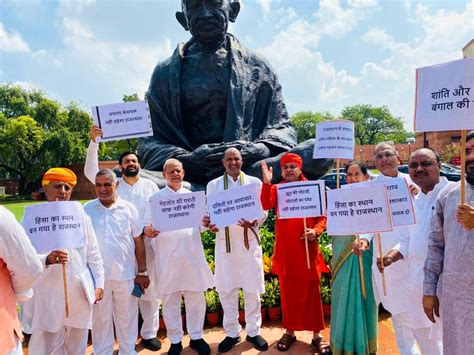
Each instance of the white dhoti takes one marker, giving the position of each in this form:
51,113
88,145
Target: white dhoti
119,308
66,341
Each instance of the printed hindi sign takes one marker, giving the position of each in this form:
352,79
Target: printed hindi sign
445,97
227,207
55,225
334,139
399,197
364,209
122,121
301,199
177,211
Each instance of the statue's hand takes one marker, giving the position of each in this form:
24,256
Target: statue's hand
252,152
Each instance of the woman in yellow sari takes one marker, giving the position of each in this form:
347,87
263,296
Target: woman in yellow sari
353,318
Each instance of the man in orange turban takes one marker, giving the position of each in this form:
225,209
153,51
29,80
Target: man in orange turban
52,330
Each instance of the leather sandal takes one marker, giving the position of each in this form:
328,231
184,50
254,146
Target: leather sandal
321,346
285,342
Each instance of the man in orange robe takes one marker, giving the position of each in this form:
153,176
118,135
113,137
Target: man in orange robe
299,287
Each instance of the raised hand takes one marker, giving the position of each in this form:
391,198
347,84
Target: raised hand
95,132
267,173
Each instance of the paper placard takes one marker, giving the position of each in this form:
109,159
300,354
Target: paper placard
399,197
123,120
177,211
445,96
334,139
227,207
55,225
364,209
301,199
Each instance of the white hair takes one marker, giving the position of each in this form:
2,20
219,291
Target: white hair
171,161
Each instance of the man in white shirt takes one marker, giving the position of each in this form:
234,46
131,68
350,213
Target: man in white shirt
52,331
424,166
182,270
396,301
136,190
238,262
20,266
118,230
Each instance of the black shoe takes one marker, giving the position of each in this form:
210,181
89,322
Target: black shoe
227,344
200,346
175,349
258,342
152,344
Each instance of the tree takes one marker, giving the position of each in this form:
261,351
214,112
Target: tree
37,133
375,124
304,123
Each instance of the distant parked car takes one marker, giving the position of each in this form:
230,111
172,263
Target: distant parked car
452,174
330,179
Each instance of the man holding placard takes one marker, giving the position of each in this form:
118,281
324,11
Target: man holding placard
118,230
136,190
450,251
238,261
54,330
182,269
395,300
424,167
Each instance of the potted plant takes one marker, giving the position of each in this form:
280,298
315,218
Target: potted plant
272,298
212,307
241,307
326,295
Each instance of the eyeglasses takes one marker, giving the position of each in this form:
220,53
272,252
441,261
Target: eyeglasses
385,155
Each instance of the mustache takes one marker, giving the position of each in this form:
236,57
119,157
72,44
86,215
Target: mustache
199,21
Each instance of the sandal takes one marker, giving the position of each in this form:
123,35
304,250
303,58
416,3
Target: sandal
321,346
285,342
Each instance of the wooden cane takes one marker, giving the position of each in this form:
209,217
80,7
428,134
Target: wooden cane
306,245
338,163
66,296
361,270
379,242
463,166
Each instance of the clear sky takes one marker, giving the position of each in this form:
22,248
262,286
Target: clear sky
328,54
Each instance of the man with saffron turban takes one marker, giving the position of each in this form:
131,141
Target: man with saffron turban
299,286
52,331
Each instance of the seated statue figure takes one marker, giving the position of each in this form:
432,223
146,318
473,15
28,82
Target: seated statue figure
213,94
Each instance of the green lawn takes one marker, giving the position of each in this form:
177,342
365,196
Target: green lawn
17,208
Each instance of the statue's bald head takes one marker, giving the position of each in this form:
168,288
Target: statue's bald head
207,20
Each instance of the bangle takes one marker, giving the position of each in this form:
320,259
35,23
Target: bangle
144,273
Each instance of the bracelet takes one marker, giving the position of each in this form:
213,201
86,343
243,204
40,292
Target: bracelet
144,273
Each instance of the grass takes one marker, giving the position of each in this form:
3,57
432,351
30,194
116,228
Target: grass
17,208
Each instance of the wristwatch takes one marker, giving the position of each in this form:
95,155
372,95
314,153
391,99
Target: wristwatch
144,273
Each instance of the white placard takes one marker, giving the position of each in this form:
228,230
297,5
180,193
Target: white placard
364,209
55,225
123,120
445,96
399,196
177,211
301,199
227,207
334,139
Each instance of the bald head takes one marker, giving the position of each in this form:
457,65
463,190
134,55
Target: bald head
424,166
232,162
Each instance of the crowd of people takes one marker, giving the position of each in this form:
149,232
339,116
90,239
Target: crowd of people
135,267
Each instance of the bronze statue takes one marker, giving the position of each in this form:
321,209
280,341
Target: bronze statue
212,94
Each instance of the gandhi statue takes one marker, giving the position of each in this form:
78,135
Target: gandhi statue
213,94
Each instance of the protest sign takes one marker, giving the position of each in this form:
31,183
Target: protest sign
301,199
55,225
352,211
227,207
334,140
399,197
122,121
177,211
444,96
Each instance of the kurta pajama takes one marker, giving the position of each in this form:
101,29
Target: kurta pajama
450,253
299,287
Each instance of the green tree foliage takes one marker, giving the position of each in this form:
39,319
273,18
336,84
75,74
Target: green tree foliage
37,133
304,123
375,124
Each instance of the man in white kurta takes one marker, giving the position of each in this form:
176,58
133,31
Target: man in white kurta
182,270
423,166
449,270
395,301
118,230
52,332
240,267
136,190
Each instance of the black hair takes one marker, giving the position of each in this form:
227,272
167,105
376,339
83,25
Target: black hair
361,166
124,154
